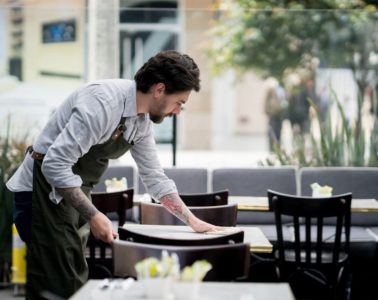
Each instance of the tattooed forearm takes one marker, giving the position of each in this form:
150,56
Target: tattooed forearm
75,197
174,204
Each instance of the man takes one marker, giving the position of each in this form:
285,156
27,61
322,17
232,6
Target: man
98,122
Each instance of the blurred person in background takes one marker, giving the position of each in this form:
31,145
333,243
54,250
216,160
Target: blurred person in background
276,110
299,104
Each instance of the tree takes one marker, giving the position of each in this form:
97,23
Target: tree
276,37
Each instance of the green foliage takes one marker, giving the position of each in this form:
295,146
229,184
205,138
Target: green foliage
274,38
337,143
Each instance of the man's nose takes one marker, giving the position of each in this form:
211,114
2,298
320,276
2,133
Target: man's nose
176,111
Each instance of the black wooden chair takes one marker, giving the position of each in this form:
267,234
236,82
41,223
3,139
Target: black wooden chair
315,264
99,256
229,262
206,199
203,240
221,215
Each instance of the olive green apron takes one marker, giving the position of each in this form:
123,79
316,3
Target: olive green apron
56,254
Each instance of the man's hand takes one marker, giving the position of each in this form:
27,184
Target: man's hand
101,228
174,204
201,226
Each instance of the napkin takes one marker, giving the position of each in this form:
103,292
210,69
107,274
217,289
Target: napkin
114,185
321,191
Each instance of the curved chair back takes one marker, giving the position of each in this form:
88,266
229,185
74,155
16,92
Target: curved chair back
229,262
206,199
201,240
221,215
99,259
114,202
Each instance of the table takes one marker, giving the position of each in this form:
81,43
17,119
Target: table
207,291
252,235
261,204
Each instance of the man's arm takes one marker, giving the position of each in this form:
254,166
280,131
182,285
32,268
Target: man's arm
174,204
101,226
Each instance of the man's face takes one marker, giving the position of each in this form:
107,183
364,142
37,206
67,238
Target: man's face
167,105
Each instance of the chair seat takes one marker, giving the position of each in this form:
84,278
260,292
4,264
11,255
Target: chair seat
326,256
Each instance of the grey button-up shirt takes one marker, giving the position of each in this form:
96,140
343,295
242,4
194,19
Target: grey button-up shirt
88,117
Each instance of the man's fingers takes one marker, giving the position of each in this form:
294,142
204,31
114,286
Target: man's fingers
109,238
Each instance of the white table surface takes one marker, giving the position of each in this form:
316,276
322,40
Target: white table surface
207,291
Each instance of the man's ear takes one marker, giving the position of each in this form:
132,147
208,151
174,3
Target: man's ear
159,89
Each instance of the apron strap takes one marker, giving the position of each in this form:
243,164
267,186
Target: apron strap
121,128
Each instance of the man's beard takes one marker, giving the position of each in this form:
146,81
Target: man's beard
157,119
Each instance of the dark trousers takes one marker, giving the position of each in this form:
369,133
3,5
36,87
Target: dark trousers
22,214
56,236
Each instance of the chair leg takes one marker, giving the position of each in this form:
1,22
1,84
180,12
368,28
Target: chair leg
100,272
262,268
343,289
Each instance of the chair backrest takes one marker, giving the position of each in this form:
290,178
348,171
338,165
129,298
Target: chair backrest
203,240
310,250
206,199
187,180
221,215
114,202
360,181
99,262
255,182
229,262
117,172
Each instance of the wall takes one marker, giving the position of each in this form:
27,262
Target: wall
65,58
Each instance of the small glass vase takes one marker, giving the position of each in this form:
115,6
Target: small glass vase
157,288
185,290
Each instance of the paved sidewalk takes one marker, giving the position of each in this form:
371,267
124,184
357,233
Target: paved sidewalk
7,294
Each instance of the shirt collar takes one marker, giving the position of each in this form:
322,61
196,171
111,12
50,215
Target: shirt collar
130,101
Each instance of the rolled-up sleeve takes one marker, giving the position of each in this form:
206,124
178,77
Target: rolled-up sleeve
85,127
152,174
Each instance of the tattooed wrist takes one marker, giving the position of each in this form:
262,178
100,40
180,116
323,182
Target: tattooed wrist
75,197
174,204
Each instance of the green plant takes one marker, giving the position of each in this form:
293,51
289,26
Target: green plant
335,142
11,154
